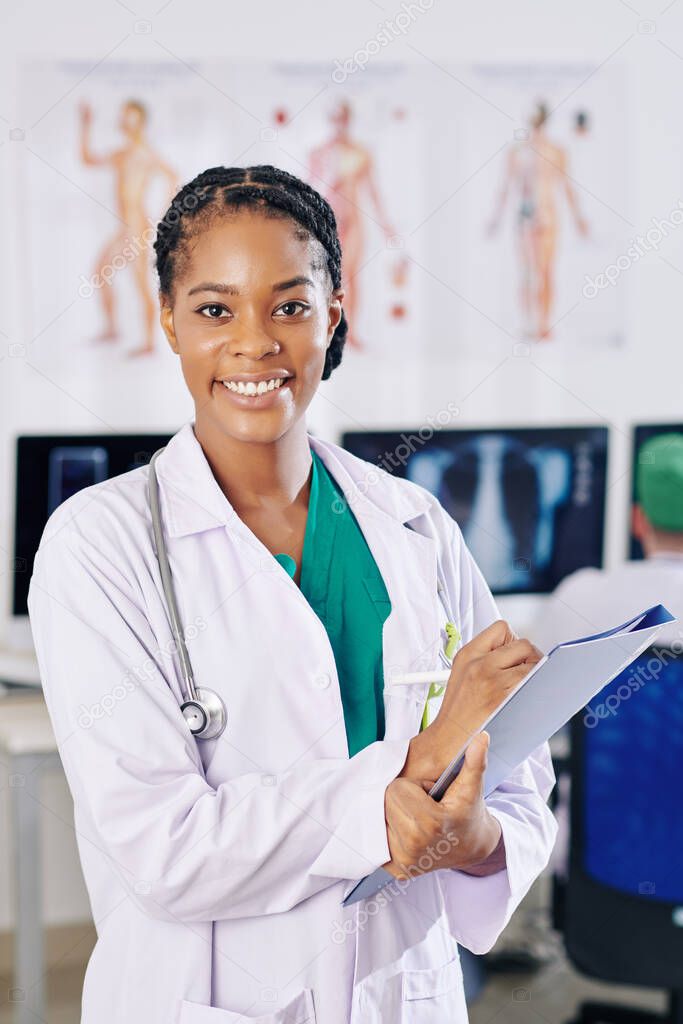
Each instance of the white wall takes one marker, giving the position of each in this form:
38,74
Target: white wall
642,384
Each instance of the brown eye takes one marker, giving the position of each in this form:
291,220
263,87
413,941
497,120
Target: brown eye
290,304
212,306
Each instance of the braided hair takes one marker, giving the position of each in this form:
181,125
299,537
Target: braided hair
266,188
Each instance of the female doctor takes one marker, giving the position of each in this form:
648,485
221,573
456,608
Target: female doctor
305,578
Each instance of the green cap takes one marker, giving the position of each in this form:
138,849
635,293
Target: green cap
659,481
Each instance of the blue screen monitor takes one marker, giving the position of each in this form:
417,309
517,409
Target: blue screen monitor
641,434
49,470
632,752
530,502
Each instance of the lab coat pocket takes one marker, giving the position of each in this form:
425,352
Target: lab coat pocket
299,1010
403,707
433,995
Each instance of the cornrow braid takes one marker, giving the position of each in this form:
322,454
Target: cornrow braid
265,187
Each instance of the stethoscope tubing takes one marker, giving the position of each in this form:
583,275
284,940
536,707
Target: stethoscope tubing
167,582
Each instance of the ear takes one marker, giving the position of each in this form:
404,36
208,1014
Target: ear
335,312
166,321
639,523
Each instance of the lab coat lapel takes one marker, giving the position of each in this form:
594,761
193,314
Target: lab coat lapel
407,561
391,520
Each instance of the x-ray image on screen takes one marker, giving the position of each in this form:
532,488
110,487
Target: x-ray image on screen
510,491
530,503
641,434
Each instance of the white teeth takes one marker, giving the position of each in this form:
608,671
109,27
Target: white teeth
251,387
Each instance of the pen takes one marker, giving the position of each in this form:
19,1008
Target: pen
422,677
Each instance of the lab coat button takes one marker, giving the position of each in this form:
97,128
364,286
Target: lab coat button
322,681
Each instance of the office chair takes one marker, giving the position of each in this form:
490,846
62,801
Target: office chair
622,906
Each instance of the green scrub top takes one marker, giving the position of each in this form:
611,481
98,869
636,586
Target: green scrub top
342,583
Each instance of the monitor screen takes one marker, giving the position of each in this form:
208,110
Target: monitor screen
530,502
641,434
632,754
49,470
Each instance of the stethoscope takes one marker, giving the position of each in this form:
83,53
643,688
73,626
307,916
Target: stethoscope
203,710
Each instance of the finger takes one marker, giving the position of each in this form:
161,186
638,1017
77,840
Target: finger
469,783
512,677
495,635
411,807
517,652
507,680
394,869
411,823
476,755
536,656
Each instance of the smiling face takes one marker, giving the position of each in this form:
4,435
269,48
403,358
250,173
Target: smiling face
252,300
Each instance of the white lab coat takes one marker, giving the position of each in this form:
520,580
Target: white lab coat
216,869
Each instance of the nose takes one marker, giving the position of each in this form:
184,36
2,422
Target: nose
252,341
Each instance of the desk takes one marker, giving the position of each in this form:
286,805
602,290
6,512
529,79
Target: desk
27,749
19,667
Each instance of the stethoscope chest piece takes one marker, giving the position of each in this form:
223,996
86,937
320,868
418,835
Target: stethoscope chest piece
205,716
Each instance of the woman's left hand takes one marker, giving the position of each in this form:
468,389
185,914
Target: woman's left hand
456,832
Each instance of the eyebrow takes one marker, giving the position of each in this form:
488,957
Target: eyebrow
230,289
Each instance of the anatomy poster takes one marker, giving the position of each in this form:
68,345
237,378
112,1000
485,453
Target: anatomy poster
472,218
543,212
106,148
363,144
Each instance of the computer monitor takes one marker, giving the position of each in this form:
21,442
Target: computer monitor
641,434
49,470
530,502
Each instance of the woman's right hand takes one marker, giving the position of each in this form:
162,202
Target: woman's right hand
483,673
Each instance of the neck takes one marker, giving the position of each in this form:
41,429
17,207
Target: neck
254,474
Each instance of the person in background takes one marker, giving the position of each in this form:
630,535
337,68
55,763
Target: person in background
590,600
